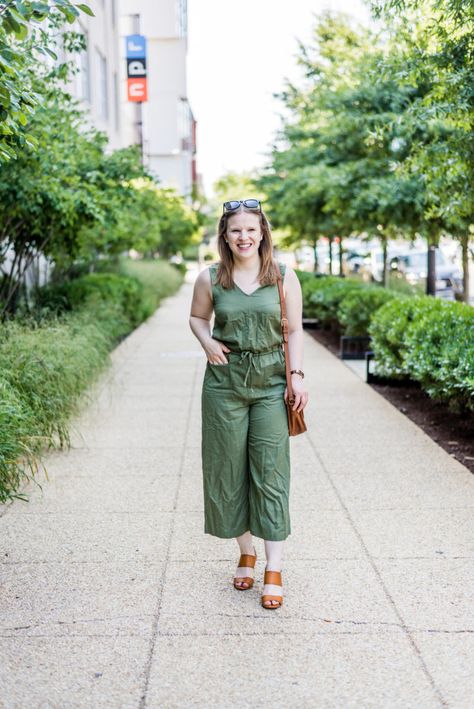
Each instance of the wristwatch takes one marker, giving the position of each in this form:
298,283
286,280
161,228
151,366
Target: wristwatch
297,371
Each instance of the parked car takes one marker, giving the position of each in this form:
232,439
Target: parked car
413,265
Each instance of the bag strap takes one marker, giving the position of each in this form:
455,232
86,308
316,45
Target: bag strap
284,330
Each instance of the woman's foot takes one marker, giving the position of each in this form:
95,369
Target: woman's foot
272,590
243,579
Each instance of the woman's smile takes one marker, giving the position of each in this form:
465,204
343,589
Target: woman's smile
244,234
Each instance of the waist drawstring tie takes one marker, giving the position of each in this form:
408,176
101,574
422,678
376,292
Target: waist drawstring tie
253,360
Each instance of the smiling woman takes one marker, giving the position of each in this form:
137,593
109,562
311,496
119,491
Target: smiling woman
245,443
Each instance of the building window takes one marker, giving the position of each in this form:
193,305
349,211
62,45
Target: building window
84,72
181,8
116,102
102,89
184,125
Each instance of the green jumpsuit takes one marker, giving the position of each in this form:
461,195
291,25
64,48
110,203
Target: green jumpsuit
245,441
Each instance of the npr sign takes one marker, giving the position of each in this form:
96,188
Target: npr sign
135,53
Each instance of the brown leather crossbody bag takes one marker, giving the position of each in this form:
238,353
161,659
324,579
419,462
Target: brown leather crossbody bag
296,422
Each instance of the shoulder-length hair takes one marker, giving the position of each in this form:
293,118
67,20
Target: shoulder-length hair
269,269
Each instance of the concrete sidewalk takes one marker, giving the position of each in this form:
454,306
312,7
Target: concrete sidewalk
112,596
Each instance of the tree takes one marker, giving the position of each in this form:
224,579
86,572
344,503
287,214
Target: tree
436,48
26,38
333,170
50,194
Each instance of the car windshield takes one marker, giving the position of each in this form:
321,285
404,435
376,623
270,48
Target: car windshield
419,260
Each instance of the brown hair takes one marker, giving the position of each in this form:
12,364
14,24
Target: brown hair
269,270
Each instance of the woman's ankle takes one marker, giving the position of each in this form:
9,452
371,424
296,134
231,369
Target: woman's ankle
246,544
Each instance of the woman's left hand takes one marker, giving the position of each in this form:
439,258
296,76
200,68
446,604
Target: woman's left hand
299,391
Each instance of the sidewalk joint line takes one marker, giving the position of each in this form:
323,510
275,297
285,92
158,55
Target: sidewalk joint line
404,626
154,633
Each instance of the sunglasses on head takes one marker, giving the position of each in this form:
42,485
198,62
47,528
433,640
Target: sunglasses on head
235,204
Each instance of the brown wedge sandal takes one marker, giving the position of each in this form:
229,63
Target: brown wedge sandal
273,577
247,560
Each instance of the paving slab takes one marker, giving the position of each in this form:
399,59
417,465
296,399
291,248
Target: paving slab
65,672
313,670
80,599
112,595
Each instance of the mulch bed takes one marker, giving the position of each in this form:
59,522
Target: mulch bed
453,432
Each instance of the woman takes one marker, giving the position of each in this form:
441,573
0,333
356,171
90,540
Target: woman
245,442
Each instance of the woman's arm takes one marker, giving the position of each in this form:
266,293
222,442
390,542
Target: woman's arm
294,312
200,318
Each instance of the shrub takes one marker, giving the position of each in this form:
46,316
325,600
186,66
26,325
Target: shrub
440,353
358,306
387,329
325,300
18,441
430,341
159,279
48,363
123,290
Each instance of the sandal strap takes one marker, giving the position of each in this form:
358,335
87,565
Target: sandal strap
273,577
247,560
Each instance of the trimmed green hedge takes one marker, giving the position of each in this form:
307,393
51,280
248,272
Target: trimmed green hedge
343,304
422,338
430,341
358,307
47,365
322,296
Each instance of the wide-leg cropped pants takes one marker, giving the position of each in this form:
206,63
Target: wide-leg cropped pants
245,446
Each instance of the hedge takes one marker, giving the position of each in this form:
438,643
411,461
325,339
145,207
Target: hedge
422,338
48,364
430,341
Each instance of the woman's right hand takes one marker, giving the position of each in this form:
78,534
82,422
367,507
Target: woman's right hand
216,351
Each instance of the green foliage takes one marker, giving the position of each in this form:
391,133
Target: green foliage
26,38
327,296
378,138
430,341
158,278
358,306
71,200
48,366
94,288
333,170
19,440
387,329
440,353
46,370
150,220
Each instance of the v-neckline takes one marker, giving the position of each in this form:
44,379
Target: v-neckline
247,294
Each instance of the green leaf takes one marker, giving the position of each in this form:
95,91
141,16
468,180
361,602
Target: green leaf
86,9
70,13
22,32
52,54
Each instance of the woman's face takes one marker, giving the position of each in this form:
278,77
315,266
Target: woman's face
244,235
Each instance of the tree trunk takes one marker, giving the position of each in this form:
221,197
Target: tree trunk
340,258
316,263
465,268
330,255
384,261
431,270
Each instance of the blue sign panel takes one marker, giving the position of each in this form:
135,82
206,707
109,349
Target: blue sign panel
135,46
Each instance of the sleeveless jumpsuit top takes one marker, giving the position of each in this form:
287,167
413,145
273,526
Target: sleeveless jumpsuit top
250,325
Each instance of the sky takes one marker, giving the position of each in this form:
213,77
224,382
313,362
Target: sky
239,53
